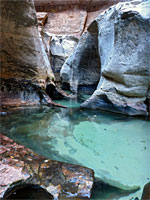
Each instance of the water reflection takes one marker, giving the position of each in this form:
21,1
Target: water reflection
115,146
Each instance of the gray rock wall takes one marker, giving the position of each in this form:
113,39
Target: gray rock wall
124,49
82,69
61,47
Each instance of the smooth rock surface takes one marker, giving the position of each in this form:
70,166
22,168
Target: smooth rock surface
123,35
59,19
23,57
66,17
124,41
61,47
20,166
146,192
83,67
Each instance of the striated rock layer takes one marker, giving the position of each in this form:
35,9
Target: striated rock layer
24,64
20,167
123,34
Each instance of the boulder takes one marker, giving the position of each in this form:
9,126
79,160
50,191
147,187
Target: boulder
123,33
20,167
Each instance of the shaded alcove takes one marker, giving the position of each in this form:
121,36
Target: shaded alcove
82,70
89,62
27,191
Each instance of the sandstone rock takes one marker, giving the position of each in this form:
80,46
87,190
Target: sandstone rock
61,47
66,17
68,22
146,192
123,46
20,166
24,63
42,18
124,49
83,67
59,5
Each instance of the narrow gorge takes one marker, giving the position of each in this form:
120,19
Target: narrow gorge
75,99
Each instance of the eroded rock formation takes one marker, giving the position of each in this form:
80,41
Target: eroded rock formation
62,22
25,68
87,57
123,34
20,166
61,47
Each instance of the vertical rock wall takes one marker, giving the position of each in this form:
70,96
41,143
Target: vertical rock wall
24,63
123,35
124,48
65,22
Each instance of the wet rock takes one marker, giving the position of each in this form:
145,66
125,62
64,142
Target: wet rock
148,103
20,166
30,192
146,192
123,49
24,63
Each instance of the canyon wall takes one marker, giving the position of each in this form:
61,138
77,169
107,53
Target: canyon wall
62,23
24,64
123,34
112,53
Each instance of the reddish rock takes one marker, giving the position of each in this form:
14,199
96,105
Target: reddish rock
19,165
70,22
59,5
42,17
146,192
71,17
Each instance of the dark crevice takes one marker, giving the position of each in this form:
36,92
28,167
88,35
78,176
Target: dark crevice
27,191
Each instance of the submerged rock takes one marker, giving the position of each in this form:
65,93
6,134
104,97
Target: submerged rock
146,192
123,50
20,166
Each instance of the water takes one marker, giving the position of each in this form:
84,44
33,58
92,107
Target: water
116,147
